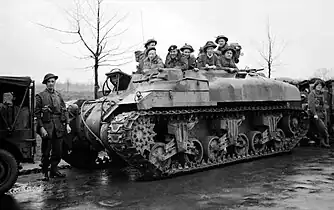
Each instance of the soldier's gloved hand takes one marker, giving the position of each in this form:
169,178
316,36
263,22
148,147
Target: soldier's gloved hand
43,132
316,117
68,128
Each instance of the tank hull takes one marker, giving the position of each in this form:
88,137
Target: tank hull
175,123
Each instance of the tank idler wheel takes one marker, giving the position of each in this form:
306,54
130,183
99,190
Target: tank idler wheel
241,145
8,171
199,152
255,138
156,157
280,138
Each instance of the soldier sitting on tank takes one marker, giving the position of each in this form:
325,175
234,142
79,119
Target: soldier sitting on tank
174,59
152,61
190,59
141,55
318,112
238,52
221,40
208,59
227,61
200,51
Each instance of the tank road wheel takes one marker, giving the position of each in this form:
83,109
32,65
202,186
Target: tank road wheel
212,149
198,151
156,157
256,144
8,171
279,140
241,144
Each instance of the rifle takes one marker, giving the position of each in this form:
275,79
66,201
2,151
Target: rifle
250,70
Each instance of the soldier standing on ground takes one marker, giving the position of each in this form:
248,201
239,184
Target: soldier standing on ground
318,113
52,123
174,59
208,59
186,53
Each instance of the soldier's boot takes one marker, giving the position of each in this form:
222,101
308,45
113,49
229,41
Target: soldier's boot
54,173
46,175
57,174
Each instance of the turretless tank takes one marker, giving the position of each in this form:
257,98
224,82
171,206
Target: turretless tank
169,122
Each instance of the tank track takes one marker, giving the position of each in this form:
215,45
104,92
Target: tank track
141,169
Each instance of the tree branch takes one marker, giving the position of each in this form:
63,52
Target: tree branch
91,8
118,59
83,41
111,19
75,42
115,65
56,29
85,68
110,29
114,35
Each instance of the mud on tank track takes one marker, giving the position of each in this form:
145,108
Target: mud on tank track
141,169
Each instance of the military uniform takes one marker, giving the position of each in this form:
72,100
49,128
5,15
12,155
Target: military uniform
204,59
141,55
238,53
221,48
316,107
229,63
155,63
175,62
150,64
190,60
51,114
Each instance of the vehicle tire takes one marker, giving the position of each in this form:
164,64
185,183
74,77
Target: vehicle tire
8,171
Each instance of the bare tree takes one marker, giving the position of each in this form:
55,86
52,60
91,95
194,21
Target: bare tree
323,73
89,17
271,50
68,83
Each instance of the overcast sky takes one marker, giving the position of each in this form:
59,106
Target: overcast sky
306,26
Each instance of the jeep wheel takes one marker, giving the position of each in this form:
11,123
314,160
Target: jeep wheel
8,171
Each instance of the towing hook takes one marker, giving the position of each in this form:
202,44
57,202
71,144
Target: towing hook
138,96
170,94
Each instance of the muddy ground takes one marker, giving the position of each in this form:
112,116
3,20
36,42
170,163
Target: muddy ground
299,181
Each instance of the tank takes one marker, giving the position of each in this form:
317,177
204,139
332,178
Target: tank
170,122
